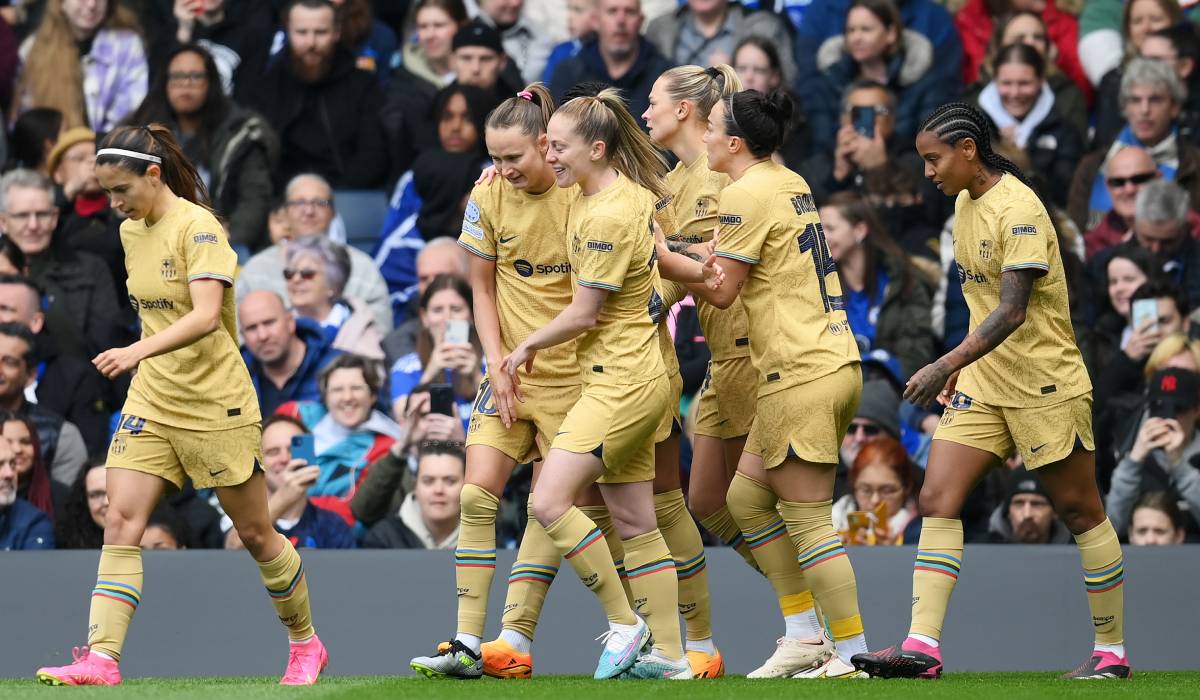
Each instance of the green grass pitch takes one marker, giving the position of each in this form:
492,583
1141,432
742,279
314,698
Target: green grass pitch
976,686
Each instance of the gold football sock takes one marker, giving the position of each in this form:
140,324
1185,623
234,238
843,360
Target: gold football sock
939,558
722,525
284,578
825,565
475,557
603,520
752,504
115,598
1104,575
579,541
651,572
687,549
532,574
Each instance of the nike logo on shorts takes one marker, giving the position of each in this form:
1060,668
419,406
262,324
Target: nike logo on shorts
506,240
1033,450
218,472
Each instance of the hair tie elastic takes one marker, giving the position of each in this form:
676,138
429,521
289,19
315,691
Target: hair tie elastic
525,95
128,154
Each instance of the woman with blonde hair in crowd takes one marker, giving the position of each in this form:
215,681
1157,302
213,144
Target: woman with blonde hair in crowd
87,61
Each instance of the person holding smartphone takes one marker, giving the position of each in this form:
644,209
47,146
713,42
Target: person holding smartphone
448,349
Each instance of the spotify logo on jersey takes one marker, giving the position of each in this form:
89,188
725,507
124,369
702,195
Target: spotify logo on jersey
524,268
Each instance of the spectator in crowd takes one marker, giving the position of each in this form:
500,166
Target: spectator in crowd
1023,107
1124,373
1104,28
877,47
373,43
829,18
618,56
288,481
324,109
881,483
1071,98
1026,516
82,311
1160,226
428,518
1125,173
233,148
32,138
86,60
1156,520
164,529
310,211
349,433
1151,96
976,19
447,300
886,304
62,445
479,59
1179,47
23,526
65,384
234,31
760,67
1163,454
440,256
316,272
86,222
706,32
1139,20
582,17
527,46
82,523
284,354
33,477
429,57
878,416
1125,268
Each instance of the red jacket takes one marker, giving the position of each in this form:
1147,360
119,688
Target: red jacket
975,27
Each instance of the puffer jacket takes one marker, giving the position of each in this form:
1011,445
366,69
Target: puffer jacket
244,152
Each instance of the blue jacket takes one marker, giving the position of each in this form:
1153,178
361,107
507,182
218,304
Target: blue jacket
24,527
825,19
302,386
320,529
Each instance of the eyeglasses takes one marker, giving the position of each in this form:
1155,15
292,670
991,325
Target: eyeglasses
308,274
44,217
880,110
314,203
863,492
189,77
868,429
1140,179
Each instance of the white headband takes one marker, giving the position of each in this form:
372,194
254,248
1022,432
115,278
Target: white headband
128,154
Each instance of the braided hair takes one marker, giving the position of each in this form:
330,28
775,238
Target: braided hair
956,121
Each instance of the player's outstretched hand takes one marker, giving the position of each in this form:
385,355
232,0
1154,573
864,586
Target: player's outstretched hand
522,355
933,381
714,274
113,363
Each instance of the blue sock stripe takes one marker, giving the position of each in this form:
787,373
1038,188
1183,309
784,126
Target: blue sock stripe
542,568
287,590
1119,566
820,550
936,563
123,586
1105,583
651,567
476,551
112,593
939,555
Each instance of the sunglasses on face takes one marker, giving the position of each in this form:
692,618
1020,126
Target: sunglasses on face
1138,179
289,273
867,429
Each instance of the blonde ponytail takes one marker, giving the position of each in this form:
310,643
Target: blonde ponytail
703,87
529,110
606,118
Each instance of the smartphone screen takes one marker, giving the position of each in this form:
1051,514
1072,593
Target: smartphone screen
458,331
1144,312
863,119
304,447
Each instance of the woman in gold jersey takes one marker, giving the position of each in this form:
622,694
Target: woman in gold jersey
608,435
808,382
191,413
514,227
1016,382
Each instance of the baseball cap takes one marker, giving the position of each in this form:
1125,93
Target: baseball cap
68,138
880,404
476,33
1172,391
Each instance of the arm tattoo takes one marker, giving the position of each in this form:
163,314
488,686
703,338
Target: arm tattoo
681,247
1015,288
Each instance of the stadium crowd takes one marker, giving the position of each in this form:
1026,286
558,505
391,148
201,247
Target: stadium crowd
339,139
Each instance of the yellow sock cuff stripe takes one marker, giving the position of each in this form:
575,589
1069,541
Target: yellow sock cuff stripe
796,603
845,629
